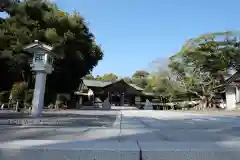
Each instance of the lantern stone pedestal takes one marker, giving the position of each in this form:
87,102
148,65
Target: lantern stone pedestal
39,91
42,64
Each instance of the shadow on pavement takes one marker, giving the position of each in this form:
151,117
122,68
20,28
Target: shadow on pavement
136,128
44,115
183,134
61,120
193,129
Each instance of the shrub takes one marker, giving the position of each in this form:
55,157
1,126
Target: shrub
19,90
4,96
29,96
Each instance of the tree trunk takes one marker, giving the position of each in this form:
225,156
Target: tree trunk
203,103
212,103
17,106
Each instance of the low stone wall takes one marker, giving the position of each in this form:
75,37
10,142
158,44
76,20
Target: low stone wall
118,150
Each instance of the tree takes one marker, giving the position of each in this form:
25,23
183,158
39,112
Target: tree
164,84
127,79
140,78
89,77
98,77
18,91
140,74
68,34
140,82
109,77
6,5
200,65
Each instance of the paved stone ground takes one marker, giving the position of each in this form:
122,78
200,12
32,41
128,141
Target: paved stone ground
60,125
125,134
131,125
179,126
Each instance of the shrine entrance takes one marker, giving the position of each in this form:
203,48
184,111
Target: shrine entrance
120,93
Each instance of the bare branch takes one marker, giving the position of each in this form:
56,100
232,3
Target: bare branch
196,93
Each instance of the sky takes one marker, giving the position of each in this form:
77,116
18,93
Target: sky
134,33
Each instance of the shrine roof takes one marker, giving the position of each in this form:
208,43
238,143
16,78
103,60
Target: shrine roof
135,86
235,77
233,80
107,84
95,83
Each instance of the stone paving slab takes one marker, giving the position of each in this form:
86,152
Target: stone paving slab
61,118
132,127
61,113
56,133
119,150
228,150
212,112
69,150
159,114
159,135
178,127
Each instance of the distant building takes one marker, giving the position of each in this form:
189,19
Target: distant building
118,92
232,90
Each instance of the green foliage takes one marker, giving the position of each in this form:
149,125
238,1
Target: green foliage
19,90
29,96
200,65
98,77
4,96
127,79
6,5
89,77
108,77
210,53
164,84
68,34
140,78
140,82
140,74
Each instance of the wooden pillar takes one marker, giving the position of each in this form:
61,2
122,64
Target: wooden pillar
110,97
80,100
122,99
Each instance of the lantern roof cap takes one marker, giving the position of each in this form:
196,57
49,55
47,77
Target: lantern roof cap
39,45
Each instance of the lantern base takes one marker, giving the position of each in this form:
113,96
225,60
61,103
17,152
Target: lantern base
38,97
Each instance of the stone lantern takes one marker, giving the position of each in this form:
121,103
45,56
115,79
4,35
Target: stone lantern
42,64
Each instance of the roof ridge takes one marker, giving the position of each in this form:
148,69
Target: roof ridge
97,80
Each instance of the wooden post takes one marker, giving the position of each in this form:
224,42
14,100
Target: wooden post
110,97
122,99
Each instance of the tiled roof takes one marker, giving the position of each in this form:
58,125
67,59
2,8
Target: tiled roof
132,85
136,87
149,94
230,79
233,78
95,83
228,75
